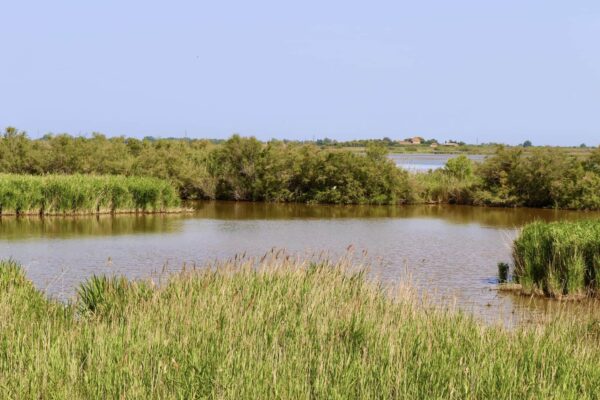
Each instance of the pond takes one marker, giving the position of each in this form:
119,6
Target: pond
424,162
449,252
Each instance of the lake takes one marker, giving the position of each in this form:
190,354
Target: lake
449,252
424,162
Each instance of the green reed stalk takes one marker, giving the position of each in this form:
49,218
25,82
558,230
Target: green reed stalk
559,258
84,194
287,329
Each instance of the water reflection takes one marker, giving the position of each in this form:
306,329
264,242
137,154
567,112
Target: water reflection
485,216
17,228
448,251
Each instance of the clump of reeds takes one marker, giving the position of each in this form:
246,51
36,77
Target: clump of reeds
274,328
439,186
84,194
503,269
559,259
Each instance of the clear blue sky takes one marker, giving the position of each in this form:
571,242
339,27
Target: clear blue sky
502,71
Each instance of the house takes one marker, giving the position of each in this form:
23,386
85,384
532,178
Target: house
413,140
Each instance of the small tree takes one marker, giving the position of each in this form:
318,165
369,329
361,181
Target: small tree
376,151
527,143
460,167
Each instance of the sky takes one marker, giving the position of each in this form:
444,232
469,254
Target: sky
477,71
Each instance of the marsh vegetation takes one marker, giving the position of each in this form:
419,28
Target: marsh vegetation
84,194
278,171
558,259
276,328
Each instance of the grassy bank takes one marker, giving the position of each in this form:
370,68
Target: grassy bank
83,194
285,330
559,259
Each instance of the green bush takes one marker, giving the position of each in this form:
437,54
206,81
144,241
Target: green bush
539,178
237,169
277,171
454,184
460,167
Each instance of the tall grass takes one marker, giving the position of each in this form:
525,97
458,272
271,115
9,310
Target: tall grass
283,329
439,187
83,194
559,258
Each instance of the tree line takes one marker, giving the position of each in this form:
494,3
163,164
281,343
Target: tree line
236,169
247,169
513,177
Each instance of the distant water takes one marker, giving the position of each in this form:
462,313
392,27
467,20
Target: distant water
426,162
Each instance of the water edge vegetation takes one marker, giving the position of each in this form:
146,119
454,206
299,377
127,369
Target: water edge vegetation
279,171
558,259
284,328
84,194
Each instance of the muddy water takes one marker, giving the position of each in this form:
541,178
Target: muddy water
449,251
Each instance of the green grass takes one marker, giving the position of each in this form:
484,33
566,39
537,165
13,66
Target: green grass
438,187
83,194
559,258
286,329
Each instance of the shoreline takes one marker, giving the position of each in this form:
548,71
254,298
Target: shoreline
98,213
185,210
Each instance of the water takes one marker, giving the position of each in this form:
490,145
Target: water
424,162
450,252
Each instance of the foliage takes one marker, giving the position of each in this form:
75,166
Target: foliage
460,167
547,178
452,184
83,194
237,169
559,258
281,171
286,329
540,178
108,296
439,186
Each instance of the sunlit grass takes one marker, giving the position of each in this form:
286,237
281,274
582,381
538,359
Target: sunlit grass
559,258
276,328
83,194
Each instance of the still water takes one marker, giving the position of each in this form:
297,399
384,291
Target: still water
419,162
450,252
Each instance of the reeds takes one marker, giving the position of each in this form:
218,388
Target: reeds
275,328
559,258
503,269
437,186
84,194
